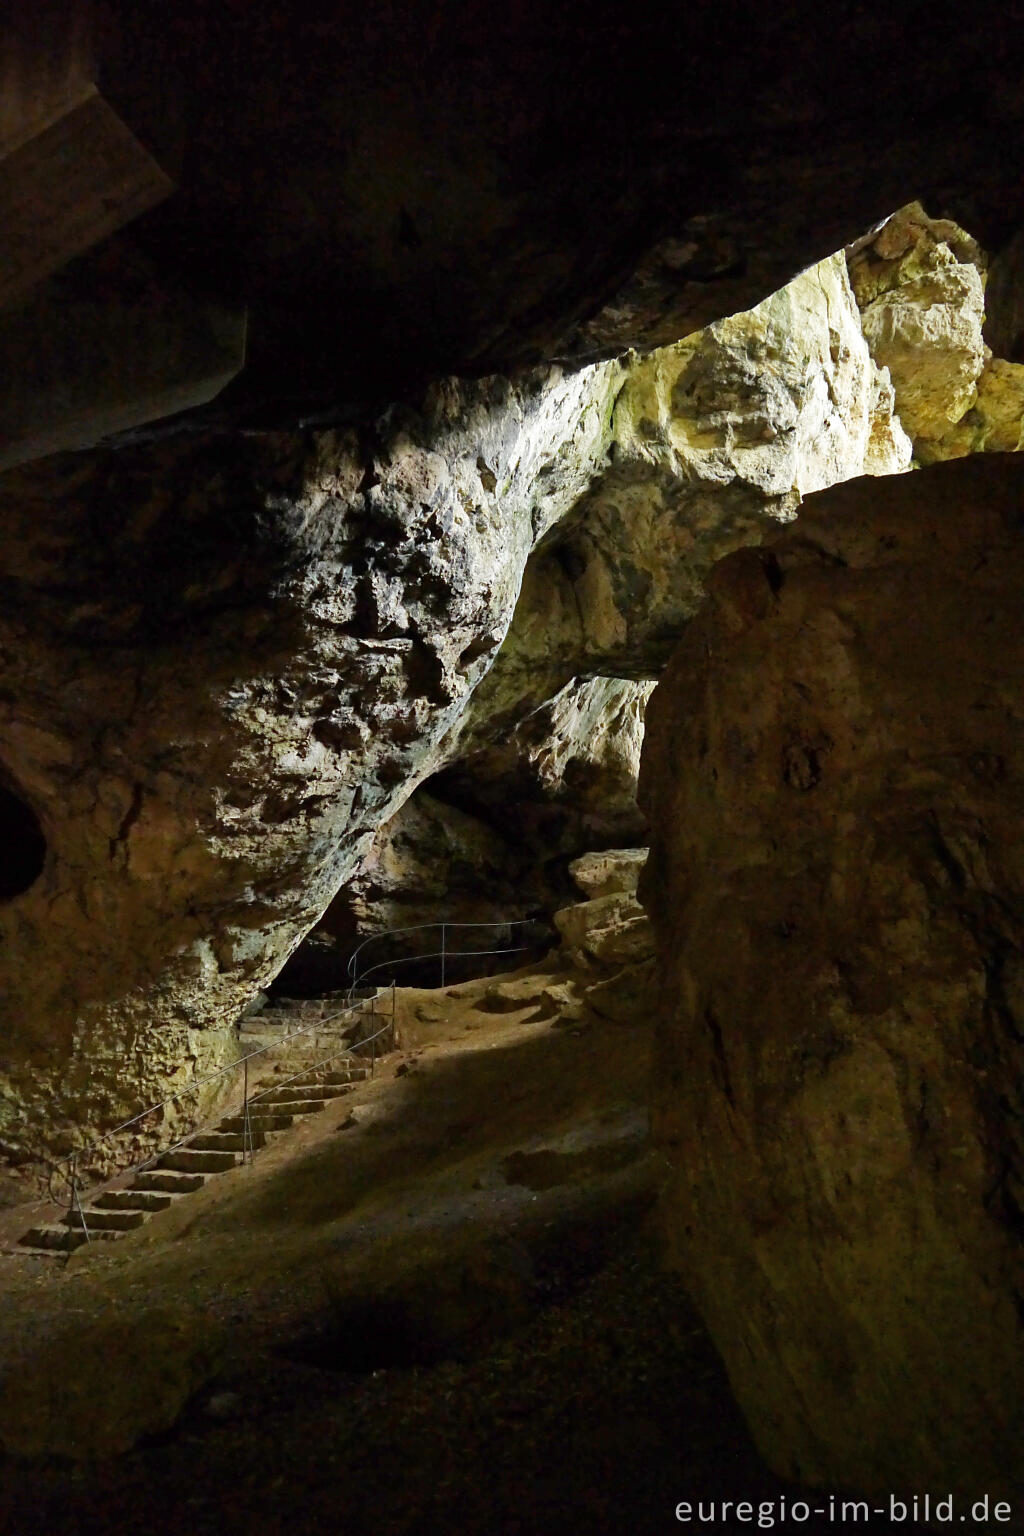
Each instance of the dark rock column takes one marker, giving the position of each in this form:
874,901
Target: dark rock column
834,780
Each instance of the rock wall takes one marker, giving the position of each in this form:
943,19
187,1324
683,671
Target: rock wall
834,779
489,838
714,441
226,662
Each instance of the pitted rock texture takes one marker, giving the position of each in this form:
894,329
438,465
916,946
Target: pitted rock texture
230,660
226,662
565,777
615,871
715,440
920,283
834,778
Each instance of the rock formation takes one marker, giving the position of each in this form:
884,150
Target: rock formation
488,839
609,935
920,283
712,441
227,660
232,658
834,779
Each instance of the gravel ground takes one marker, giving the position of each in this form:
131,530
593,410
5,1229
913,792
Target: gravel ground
600,1413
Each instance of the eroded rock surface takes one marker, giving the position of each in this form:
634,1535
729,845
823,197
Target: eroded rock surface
920,283
714,441
226,662
609,873
230,660
487,840
834,778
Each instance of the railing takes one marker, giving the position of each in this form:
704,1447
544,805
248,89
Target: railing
445,954
66,1170
65,1184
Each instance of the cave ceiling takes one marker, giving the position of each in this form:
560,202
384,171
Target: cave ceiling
393,191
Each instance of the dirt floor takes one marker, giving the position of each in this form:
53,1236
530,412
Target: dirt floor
435,1307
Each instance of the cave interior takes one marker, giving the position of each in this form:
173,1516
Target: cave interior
511,767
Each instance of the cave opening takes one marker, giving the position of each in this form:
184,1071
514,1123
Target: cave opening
23,844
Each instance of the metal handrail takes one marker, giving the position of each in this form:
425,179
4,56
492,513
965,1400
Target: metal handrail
193,1087
68,1166
443,954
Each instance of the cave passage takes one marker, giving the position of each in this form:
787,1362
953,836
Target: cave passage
22,846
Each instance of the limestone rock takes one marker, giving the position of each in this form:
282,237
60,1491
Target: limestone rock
920,284
626,997
515,994
995,422
610,931
562,782
226,662
834,778
611,873
715,440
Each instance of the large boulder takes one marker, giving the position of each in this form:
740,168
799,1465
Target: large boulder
608,931
834,778
608,873
227,660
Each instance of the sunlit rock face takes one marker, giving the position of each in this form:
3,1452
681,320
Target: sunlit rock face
834,780
715,440
920,283
225,664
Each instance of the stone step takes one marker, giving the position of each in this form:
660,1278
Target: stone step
298,1106
229,1141
185,1160
169,1181
98,1220
263,1120
53,1239
304,1091
134,1200
263,1024
328,1079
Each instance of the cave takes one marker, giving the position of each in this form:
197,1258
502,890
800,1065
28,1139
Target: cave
511,891
24,845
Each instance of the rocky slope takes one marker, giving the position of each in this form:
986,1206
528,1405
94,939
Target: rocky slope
834,778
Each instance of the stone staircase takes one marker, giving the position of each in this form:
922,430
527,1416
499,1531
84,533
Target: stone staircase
178,1173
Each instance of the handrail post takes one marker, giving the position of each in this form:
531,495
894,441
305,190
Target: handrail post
444,927
392,1013
75,1203
373,1037
246,1122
